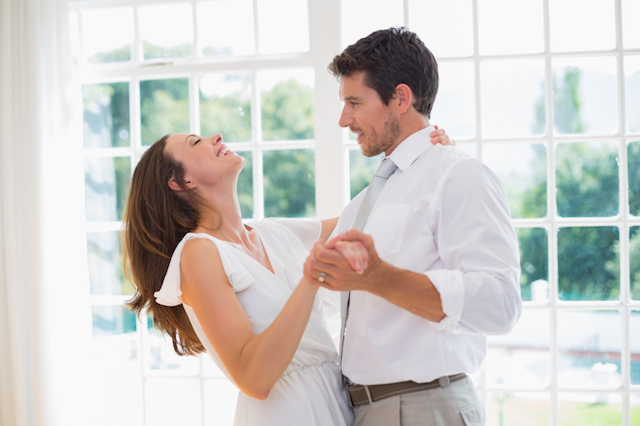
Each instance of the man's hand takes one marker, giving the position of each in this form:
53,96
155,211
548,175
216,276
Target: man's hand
341,274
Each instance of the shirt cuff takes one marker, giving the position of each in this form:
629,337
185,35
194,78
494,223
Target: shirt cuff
450,285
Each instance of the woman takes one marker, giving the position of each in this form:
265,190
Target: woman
214,284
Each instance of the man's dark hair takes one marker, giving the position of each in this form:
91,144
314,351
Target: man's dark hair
388,58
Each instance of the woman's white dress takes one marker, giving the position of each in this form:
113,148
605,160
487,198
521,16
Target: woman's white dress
309,392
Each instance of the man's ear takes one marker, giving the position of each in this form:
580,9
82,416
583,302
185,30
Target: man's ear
404,97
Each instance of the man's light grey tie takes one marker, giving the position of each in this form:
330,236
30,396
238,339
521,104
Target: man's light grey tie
379,179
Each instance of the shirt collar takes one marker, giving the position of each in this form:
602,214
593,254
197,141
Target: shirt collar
411,148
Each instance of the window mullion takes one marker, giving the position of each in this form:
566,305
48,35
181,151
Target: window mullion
325,36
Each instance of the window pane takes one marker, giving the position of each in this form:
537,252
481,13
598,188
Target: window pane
634,332
524,26
587,179
585,96
576,26
362,17
103,41
513,89
361,170
454,109
245,185
287,104
588,263
633,169
106,182
632,92
159,356
430,30
104,253
164,108
225,27
534,260
276,38
589,345
630,28
112,367
221,396
635,409
225,106
166,31
521,359
171,402
289,183
522,169
112,320
589,409
105,115
522,409
634,261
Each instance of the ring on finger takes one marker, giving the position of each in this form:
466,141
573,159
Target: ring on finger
321,277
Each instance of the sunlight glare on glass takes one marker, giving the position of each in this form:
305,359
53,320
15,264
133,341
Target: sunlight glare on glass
596,103
513,89
362,17
632,92
630,27
268,79
283,26
521,167
432,21
578,25
454,109
99,33
521,20
166,26
226,28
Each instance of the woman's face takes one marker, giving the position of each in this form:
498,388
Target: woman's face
207,161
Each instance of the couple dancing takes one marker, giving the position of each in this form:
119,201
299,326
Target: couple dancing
428,272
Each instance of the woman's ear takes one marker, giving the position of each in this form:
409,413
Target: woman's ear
174,185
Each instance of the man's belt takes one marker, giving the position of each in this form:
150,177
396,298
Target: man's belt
363,394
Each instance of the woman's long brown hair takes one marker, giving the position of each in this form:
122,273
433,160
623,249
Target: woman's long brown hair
156,219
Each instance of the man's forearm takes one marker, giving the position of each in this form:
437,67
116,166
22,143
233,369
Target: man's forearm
410,290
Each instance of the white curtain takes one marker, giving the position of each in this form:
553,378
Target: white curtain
41,242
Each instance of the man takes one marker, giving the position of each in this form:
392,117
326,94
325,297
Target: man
443,268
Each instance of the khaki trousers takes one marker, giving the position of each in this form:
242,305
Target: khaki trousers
455,405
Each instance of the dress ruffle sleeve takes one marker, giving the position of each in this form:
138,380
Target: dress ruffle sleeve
170,293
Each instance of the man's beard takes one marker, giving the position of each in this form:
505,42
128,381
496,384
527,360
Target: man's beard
378,144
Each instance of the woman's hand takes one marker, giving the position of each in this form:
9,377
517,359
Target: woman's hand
439,136
353,251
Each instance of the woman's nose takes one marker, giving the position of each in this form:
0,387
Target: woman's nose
216,139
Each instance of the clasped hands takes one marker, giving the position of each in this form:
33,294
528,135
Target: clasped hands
346,262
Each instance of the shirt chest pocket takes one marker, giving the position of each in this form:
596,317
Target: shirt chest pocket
387,225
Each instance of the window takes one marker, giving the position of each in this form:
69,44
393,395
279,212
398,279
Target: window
546,92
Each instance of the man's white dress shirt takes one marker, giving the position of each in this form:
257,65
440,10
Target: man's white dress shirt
444,214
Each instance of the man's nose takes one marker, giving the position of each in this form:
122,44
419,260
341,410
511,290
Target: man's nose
345,118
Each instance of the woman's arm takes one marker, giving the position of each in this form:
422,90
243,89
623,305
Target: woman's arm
254,362
328,225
